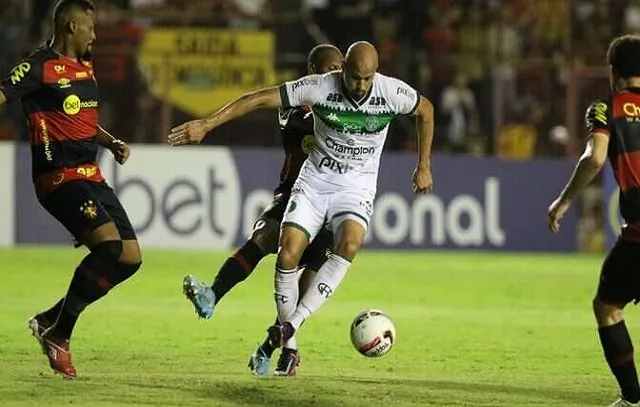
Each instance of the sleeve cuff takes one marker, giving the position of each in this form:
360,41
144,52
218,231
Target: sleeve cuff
284,97
415,107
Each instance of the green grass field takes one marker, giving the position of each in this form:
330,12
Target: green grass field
473,330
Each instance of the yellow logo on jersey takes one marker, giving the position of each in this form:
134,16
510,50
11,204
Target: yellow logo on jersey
19,72
630,109
60,69
72,105
64,83
600,112
308,143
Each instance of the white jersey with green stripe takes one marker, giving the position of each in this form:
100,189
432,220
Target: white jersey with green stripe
349,134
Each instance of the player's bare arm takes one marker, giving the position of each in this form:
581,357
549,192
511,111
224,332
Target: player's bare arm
422,180
118,148
3,98
194,131
589,165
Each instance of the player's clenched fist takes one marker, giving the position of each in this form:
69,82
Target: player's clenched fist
422,180
191,132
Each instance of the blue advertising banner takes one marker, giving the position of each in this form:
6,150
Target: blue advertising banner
209,197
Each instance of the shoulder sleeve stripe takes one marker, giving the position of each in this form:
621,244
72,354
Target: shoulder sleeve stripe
415,107
284,97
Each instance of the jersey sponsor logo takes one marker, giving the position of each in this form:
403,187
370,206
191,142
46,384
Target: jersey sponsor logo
82,75
333,165
19,72
348,149
303,82
308,143
377,101
630,109
403,91
334,97
72,105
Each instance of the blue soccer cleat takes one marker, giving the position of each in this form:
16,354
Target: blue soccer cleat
200,295
259,363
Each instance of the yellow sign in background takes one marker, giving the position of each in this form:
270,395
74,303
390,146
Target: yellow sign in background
203,69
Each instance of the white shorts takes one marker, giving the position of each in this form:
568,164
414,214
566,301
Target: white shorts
310,210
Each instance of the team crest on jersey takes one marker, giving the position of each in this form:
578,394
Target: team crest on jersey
308,143
89,210
60,69
371,123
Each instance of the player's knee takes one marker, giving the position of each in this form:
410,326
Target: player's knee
347,248
108,252
288,257
607,314
266,237
130,252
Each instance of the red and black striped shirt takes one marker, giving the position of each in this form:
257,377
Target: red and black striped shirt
60,101
296,126
619,117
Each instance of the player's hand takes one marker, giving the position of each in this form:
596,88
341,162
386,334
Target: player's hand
422,180
191,132
556,211
120,151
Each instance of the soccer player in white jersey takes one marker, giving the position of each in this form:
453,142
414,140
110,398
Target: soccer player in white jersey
337,184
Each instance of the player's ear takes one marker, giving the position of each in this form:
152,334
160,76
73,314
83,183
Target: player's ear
311,68
73,25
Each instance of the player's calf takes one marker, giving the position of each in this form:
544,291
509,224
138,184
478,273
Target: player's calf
618,349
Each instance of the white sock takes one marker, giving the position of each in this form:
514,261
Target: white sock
327,280
292,343
286,292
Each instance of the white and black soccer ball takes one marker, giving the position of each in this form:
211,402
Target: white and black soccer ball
373,333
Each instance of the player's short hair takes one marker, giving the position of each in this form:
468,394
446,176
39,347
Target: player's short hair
319,51
63,9
623,56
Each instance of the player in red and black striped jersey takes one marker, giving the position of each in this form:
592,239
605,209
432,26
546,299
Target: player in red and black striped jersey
613,126
296,126
60,99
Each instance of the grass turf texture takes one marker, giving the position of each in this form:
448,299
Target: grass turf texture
476,329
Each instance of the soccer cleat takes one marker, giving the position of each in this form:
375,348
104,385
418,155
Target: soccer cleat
200,295
57,350
621,402
259,363
38,324
280,334
288,361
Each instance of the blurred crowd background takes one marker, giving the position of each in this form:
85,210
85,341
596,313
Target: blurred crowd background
508,78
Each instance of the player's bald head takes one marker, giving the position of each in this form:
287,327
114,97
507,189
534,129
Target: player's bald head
360,66
324,58
362,56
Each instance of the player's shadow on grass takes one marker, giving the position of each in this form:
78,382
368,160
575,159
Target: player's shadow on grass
586,398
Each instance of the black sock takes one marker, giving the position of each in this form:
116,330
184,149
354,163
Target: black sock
90,282
266,347
86,287
618,351
237,268
52,313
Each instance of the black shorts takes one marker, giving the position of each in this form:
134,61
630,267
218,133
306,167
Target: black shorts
620,274
316,253
276,208
83,206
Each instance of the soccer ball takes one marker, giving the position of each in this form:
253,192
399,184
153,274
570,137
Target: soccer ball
373,333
